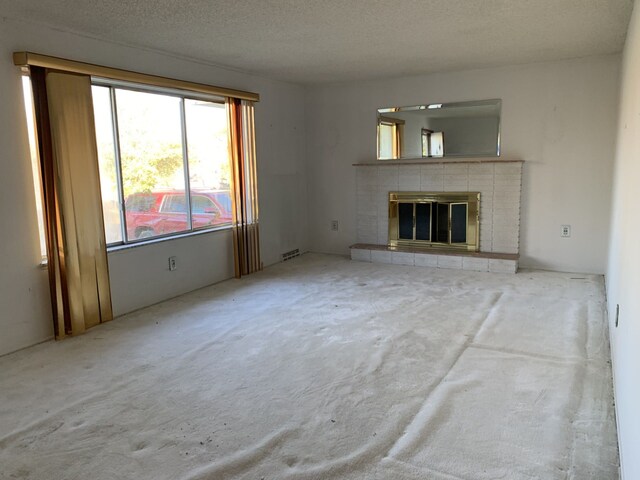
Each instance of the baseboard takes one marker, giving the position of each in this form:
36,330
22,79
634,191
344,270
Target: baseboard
613,376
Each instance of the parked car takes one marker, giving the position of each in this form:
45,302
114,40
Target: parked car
156,213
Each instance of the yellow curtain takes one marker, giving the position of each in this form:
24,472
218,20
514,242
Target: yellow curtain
246,237
76,247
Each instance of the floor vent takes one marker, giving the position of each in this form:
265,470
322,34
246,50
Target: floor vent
290,255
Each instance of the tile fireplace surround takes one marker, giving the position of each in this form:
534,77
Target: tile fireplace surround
498,181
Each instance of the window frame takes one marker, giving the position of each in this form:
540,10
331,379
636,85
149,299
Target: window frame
396,135
182,95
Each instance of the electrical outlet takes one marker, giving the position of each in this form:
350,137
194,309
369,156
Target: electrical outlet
565,231
172,264
334,225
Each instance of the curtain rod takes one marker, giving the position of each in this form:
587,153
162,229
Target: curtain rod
25,59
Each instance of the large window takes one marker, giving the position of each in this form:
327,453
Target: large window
164,162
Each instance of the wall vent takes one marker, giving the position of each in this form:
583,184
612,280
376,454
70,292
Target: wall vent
289,255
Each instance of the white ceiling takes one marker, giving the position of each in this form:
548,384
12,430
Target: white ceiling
317,41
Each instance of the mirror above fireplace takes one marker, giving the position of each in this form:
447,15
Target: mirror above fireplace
436,130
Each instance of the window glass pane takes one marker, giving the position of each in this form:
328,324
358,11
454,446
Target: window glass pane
386,140
152,165
140,202
426,143
209,166
437,144
35,164
202,204
174,203
107,164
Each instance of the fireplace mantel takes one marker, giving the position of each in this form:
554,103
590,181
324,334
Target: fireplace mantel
497,180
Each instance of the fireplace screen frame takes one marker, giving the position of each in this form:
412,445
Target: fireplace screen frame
470,199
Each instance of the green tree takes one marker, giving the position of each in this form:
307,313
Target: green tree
147,167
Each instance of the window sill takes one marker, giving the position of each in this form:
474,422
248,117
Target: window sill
152,241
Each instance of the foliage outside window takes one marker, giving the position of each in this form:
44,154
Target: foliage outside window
164,163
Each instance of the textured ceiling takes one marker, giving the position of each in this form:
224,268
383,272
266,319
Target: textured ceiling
317,41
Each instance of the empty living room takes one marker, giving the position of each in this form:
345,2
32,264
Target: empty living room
304,240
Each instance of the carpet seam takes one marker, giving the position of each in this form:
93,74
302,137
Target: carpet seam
463,349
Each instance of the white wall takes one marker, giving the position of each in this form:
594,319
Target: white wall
411,143
623,273
139,276
559,117
468,135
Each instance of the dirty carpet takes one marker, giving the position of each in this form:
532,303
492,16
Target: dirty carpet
325,368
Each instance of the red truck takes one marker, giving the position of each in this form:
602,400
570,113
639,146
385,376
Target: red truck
162,212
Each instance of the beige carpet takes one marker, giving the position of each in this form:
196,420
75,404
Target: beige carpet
323,368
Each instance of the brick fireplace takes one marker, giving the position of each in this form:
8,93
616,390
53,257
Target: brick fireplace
497,181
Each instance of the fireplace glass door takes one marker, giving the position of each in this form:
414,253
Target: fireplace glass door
423,220
434,220
458,222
